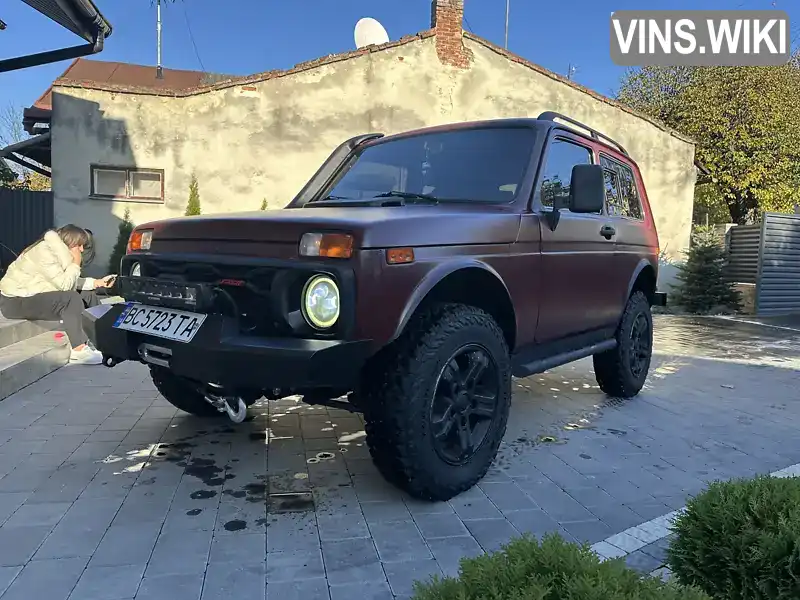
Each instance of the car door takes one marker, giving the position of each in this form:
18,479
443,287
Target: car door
626,216
577,255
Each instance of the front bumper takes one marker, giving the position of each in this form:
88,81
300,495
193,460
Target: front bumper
219,354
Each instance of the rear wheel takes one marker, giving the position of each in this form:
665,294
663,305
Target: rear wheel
182,394
436,402
622,371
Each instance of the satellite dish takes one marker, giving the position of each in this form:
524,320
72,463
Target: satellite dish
368,32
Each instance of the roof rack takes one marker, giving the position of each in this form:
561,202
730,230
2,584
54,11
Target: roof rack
552,116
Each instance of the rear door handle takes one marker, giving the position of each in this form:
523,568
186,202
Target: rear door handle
607,231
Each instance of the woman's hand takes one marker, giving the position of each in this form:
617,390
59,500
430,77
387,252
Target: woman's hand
105,282
76,254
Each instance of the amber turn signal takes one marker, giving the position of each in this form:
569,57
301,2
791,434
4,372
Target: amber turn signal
139,240
329,245
399,256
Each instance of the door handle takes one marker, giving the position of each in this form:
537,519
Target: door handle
607,231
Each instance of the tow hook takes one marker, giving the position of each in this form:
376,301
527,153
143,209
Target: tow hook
234,406
110,361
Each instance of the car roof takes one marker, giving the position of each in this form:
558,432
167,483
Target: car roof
541,124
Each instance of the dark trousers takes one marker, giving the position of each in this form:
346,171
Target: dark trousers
53,306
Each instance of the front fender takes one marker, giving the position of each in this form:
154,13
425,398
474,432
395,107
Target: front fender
432,279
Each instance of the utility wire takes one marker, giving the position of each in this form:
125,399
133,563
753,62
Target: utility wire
191,36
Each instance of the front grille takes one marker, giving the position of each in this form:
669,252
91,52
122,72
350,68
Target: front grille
260,298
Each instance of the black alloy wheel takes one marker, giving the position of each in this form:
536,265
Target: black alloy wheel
464,404
640,348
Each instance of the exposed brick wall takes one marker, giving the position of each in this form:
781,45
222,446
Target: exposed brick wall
447,18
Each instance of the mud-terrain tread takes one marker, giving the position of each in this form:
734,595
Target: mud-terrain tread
181,394
393,377
610,367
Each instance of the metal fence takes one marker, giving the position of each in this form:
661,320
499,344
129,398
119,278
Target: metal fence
768,255
24,217
744,245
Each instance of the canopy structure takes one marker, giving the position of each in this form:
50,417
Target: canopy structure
81,17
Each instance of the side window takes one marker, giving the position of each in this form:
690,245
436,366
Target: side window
613,197
557,176
630,195
622,198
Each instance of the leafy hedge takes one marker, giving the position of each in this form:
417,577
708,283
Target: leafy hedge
740,540
552,570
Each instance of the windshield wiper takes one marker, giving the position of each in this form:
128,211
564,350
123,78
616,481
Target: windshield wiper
409,196
332,197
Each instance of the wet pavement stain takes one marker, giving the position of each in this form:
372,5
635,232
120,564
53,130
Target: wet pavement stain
206,470
235,525
194,512
290,502
202,494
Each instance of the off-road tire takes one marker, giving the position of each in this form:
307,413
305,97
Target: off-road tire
612,367
181,394
398,386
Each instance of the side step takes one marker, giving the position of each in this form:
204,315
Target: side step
28,352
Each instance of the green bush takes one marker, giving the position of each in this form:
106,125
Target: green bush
125,229
193,206
552,570
264,204
740,540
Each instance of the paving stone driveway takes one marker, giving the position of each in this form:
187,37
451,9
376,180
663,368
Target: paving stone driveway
108,493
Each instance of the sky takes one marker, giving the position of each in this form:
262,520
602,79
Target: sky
241,37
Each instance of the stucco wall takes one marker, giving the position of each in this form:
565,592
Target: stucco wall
249,145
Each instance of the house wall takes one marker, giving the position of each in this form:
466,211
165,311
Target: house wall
264,143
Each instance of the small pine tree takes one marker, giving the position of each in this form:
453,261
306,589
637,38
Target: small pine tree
193,206
125,229
703,288
264,204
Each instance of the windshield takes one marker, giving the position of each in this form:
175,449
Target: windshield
478,165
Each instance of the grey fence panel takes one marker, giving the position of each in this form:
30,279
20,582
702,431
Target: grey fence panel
778,286
744,244
24,217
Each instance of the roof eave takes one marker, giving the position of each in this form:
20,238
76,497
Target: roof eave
78,16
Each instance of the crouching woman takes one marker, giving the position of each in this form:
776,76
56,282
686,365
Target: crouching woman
44,284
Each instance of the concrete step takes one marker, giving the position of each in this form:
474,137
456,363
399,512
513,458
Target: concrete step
30,359
13,330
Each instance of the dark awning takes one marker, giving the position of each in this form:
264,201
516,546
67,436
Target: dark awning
26,153
81,17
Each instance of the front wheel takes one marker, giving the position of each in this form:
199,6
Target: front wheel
621,372
436,402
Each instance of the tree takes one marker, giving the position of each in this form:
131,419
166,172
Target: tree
125,229
702,285
193,206
746,121
264,204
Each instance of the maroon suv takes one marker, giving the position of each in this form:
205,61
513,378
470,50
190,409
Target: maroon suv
414,273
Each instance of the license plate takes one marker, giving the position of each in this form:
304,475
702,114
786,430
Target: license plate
176,325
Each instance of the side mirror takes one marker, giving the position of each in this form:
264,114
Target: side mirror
587,192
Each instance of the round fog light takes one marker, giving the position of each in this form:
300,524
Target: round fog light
321,302
136,270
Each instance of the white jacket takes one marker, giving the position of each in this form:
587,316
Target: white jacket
47,267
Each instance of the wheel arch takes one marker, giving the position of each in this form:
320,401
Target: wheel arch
468,282
644,279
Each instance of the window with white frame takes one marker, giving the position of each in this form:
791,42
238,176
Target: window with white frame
128,183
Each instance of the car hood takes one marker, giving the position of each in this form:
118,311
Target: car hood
371,226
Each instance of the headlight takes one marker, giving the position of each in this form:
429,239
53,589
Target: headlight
136,270
321,302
